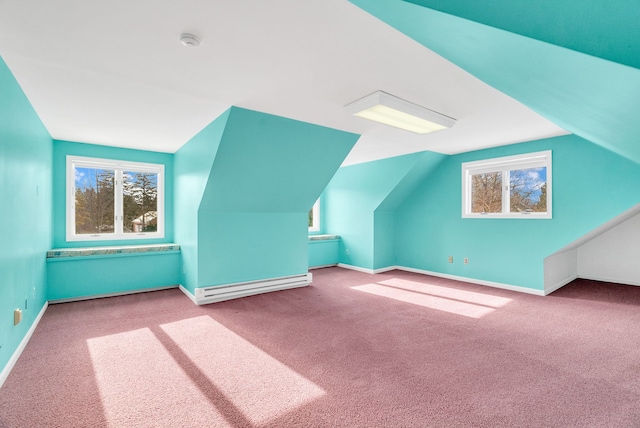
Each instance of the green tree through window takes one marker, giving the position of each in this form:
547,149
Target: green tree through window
140,192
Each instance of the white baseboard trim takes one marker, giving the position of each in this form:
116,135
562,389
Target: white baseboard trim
188,294
220,293
476,281
101,296
559,284
455,278
613,280
356,268
14,358
366,270
385,269
322,266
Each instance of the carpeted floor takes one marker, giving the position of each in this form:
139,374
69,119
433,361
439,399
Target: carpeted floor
351,350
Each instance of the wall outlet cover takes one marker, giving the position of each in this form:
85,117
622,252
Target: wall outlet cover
17,316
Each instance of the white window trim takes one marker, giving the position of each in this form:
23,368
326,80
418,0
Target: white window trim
119,166
315,227
505,164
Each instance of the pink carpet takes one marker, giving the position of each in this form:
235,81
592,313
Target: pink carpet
351,350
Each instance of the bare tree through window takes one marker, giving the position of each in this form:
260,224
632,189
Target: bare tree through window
517,186
486,192
528,190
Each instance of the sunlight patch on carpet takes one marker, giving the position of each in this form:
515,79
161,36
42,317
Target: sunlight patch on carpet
140,384
258,385
447,292
428,301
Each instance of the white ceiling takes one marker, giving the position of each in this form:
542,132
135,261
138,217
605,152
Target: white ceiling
114,73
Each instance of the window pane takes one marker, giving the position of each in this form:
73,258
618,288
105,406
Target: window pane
94,200
140,201
528,190
486,192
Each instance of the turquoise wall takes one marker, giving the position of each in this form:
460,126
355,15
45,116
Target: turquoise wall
86,276
384,251
25,217
267,163
324,252
352,197
246,246
193,163
384,217
267,174
63,148
360,203
591,185
261,176
598,28
75,277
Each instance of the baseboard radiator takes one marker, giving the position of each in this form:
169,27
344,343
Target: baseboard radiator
221,293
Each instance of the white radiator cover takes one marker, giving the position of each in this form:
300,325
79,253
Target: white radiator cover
220,293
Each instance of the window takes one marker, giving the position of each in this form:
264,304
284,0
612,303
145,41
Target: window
108,199
314,217
509,187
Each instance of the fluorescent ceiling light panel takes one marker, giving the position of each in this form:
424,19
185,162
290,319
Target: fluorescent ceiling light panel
393,111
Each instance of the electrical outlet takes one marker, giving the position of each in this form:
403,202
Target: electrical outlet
17,316
450,259
466,261
347,251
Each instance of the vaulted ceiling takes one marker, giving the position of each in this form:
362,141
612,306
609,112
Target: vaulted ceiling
114,73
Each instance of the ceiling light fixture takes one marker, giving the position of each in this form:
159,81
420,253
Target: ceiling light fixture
393,111
189,40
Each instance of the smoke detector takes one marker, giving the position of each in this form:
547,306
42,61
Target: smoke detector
189,40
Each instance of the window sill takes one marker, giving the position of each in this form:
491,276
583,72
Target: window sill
313,238
60,254
517,216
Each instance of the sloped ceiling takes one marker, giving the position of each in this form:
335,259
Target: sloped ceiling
555,57
607,30
114,73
